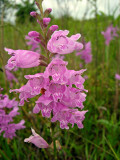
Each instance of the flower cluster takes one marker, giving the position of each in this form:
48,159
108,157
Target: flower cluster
109,34
8,110
85,54
61,90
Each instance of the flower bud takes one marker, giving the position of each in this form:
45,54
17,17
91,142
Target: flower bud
46,21
51,30
33,34
33,14
47,12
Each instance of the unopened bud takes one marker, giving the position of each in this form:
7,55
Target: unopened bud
51,30
33,34
33,14
46,21
47,12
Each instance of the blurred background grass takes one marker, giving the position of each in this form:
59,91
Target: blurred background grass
100,137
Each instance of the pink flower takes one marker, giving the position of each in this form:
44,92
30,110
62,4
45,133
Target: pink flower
35,45
37,140
22,59
61,44
9,110
10,77
117,76
109,34
61,92
86,53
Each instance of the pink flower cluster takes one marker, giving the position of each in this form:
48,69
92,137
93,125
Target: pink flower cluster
85,54
109,34
61,92
8,110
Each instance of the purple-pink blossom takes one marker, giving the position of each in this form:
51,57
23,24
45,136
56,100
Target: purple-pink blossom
37,140
61,44
10,77
35,45
85,54
109,34
22,59
117,76
7,124
61,92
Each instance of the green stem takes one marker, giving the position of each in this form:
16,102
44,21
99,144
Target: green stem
107,55
53,138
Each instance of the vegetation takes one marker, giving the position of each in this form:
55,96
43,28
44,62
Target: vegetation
99,139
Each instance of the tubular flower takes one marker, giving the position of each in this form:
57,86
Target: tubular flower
61,92
37,140
22,59
61,44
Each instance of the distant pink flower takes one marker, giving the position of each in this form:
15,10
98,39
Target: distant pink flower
10,77
85,76
61,44
22,59
37,140
109,34
117,76
81,65
35,46
86,53
8,110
